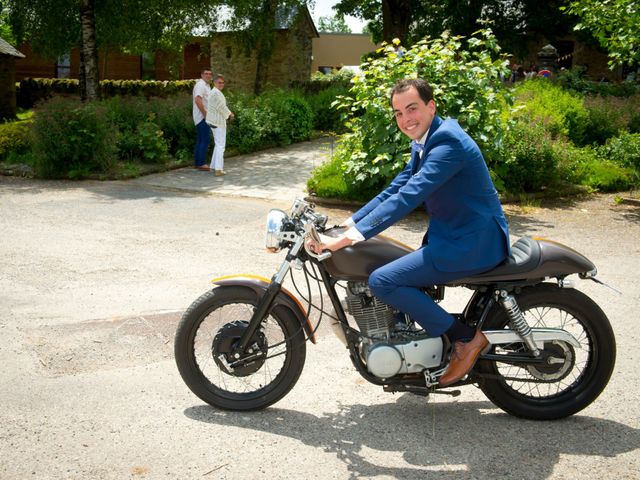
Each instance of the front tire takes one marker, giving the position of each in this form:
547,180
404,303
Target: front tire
204,339
562,388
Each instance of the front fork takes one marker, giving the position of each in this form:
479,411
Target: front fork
264,304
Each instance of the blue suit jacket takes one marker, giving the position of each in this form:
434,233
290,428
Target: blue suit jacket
467,227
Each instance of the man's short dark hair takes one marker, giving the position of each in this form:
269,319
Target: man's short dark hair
424,89
204,70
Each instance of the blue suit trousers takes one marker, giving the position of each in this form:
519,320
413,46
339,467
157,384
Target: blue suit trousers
398,284
202,143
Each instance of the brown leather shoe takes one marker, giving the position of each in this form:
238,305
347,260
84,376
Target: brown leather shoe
463,358
203,167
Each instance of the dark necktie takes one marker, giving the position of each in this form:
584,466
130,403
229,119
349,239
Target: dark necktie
416,150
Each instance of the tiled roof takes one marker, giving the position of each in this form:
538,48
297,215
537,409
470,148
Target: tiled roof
6,49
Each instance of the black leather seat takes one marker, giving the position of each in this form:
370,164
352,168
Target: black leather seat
525,257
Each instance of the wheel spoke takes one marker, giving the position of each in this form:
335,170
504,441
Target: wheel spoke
227,381
530,383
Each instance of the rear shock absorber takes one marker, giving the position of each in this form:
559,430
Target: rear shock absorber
517,321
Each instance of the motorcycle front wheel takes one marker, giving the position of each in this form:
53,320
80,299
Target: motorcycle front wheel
573,377
205,338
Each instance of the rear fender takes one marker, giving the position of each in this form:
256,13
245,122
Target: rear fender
284,299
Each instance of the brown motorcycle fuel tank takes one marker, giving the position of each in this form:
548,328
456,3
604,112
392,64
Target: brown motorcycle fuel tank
355,263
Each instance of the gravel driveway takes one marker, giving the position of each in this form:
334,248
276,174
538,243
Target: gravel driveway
96,275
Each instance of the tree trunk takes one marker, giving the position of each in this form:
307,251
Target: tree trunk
89,52
396,17
266,44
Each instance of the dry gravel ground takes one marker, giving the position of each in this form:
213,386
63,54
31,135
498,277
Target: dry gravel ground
96,275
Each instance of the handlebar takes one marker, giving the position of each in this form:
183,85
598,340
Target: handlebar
312,233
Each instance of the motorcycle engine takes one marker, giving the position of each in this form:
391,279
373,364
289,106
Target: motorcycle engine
388,349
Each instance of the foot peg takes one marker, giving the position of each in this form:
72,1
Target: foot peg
452,393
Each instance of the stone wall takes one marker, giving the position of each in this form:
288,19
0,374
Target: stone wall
7,88
290,63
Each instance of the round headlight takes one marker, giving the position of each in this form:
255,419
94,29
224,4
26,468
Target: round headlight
275,219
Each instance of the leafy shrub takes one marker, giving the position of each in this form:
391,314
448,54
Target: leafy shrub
71,139
466,80
575,80
608,116
532,162
246,132
606,176
328,181
326,115
276,118
291,117
562,113
623,150
151,142
174,117
14,137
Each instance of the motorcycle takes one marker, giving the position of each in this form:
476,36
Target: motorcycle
242,345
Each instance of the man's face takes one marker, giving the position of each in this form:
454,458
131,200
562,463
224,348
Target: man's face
206,76
219,83
413,116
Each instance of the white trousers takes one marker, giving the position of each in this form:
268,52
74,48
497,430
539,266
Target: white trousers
220,142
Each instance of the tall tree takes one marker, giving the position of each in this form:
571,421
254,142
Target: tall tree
333,24
614,23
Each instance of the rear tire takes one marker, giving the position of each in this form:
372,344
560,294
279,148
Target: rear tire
562,389
207,332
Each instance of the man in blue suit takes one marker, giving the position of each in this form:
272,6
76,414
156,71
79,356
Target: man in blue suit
467,233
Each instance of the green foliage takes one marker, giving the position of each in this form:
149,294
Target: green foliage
328,181
151,142
326,116
608,116
532,162
174,117
290,115
333,24
605,176
465,76
614,23
623,150
14,137
276,118
561,112
574,80
72,140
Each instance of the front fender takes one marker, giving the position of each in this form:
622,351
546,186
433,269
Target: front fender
284,299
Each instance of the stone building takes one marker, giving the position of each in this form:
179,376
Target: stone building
8,54
291,60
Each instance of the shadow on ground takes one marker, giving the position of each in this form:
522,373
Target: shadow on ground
420,436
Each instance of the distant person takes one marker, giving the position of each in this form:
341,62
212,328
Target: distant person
217,116
201,92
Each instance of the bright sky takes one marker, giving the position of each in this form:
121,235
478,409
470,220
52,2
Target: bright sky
323,9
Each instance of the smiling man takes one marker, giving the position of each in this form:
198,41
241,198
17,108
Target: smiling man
467,233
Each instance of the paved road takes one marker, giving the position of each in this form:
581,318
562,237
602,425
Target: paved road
95,276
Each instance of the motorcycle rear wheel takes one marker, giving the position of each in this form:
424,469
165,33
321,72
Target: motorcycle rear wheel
558,390
204,339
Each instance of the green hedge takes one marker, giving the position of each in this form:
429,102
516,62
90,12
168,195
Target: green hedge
33,90
70,139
